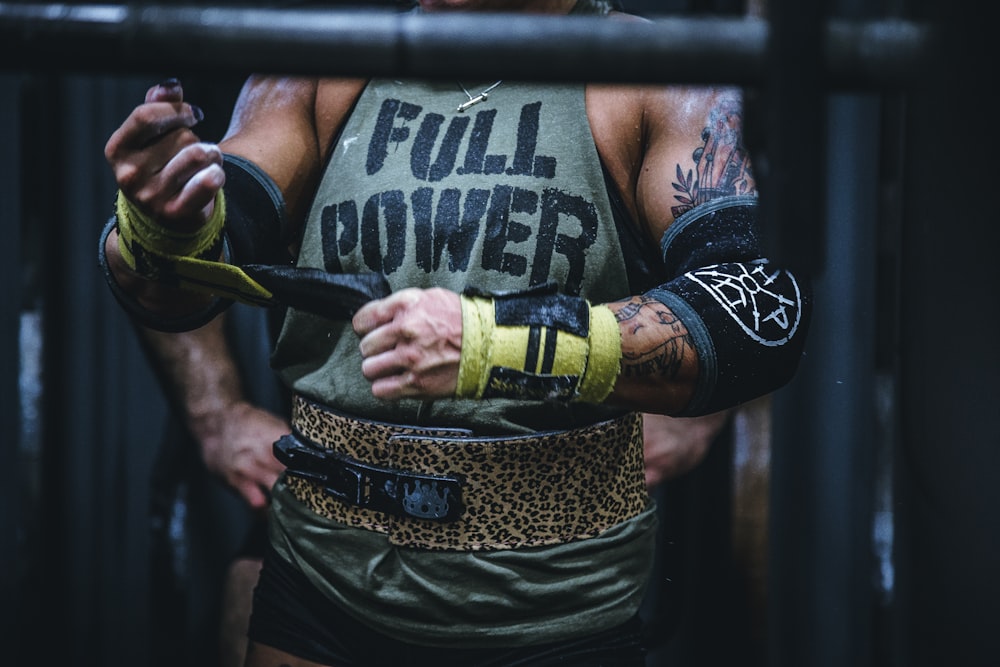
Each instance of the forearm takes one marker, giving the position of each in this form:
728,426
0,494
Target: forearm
666,352
198,374
161,301
727,327
659,366
203,384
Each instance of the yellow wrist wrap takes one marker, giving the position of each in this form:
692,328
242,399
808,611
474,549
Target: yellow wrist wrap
539,362
137,230
604,360
186,260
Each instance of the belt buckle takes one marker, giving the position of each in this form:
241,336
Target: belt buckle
398,492
432,497
393,491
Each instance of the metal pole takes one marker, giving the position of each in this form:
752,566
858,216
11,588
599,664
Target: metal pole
378,42
12,483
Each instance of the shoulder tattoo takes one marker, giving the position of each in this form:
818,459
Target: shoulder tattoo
721,163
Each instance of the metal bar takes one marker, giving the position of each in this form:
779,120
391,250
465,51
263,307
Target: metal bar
379,42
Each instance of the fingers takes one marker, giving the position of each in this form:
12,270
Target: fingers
186,184
374,322
182,188
673,447
240,450
382,333
411,343
260,473
379,312
149,123
253,494
169,90
160,164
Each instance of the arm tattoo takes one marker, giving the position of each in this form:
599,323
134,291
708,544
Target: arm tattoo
721,163
664,357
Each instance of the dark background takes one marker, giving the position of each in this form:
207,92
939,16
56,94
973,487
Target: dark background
881,540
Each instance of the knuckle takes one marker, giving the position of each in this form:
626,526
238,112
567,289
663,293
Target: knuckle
200,152
412,383
407,330
144,114
407,297
128,176
410,357
144,197
111,149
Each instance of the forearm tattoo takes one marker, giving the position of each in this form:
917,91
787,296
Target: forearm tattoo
721,164
668,345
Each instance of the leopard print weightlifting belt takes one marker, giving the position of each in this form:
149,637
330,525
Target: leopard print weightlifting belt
447,489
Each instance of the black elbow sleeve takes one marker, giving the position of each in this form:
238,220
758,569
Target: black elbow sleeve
748,322
747,319
256,224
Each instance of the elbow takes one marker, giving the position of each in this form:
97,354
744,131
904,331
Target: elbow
749,323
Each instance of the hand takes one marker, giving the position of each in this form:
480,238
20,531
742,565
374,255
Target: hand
675,445
236,445
161,165
411,343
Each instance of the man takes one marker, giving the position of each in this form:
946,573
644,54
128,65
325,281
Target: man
492,280
233,436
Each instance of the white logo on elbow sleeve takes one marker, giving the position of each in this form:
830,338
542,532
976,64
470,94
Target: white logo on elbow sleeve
766,304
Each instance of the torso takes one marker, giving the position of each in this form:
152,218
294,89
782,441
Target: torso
614,112
505,196
616,570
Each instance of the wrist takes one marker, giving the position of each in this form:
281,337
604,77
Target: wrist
193,261
151,249
537,346
208,421
155,305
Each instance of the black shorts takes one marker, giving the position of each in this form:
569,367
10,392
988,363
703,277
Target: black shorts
289,614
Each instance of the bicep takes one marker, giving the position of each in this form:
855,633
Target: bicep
273,125
728,325
694,152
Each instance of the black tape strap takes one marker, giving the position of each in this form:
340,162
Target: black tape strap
256,222
331,295
141,315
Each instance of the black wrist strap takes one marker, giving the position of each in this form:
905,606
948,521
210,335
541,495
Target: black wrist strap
142,315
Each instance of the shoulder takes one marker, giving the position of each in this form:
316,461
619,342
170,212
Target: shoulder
637,114
683,113
285,125
660,144
334,100
659,106
634,118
